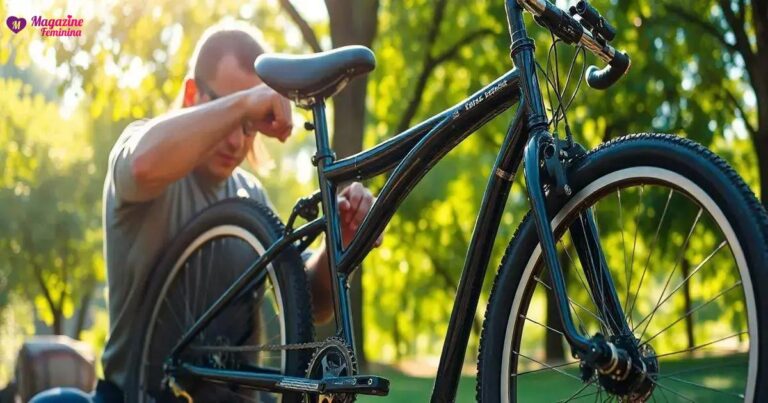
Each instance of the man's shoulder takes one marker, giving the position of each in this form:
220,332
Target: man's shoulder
241,176
243,180
130,132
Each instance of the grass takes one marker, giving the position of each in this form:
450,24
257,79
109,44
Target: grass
723,373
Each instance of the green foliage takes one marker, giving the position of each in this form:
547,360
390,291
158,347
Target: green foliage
132,59
678,83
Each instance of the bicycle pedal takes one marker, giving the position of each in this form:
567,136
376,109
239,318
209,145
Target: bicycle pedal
359,384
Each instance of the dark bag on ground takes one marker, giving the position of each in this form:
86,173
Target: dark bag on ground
47,362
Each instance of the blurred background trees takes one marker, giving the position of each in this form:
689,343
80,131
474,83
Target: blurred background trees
696,72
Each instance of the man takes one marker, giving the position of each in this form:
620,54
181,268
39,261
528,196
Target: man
157,166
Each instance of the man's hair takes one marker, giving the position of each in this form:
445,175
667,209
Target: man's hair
243,42
230,38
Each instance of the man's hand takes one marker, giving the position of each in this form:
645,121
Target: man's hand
268,112
354,202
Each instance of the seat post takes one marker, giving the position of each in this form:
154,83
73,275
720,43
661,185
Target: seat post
324,153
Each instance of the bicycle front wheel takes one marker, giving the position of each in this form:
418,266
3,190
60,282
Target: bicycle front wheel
210,253
685,242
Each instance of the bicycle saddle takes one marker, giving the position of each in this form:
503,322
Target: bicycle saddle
307,79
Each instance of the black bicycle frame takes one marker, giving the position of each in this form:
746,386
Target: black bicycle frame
410,155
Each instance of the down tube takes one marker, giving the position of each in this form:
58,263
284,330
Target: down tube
478,256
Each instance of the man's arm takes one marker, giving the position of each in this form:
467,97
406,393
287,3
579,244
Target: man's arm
320,287
172,145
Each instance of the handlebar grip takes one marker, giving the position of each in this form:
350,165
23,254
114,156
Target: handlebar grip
602,79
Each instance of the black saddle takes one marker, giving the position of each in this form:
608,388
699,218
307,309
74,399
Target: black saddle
307,79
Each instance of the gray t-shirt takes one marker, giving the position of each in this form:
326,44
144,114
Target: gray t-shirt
135,233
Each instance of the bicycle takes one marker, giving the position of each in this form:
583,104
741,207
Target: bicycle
619,351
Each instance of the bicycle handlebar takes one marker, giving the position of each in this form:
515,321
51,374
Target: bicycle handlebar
571,31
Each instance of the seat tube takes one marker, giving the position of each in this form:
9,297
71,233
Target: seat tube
333,241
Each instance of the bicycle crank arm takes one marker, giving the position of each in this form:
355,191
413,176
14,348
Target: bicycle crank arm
359,384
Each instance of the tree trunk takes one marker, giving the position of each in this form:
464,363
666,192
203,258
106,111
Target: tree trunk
58,322
756,66
761,141
686,270
82,313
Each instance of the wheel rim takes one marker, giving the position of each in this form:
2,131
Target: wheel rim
238,242
513,366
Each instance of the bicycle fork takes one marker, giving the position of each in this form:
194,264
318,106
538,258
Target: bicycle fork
611,357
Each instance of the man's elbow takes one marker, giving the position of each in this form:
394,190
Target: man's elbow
143,171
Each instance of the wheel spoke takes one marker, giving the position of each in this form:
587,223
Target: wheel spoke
650,253
688,371
175,317
700,346
637,227
558,370
672,378
591,394
682,283
670,390
664,394
542,325
576,394
572,302
680,257
691,311
532,371
596,270
627,276
603,325
198,278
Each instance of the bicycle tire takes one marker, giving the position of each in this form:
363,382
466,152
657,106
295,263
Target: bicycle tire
257,226
653,158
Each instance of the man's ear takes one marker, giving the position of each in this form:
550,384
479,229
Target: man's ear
190,93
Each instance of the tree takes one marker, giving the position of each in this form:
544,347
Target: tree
741,32
431,54
49,234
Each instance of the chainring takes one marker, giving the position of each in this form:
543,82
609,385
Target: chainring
334,358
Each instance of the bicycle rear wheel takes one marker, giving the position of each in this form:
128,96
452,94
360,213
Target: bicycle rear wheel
685,242
210,253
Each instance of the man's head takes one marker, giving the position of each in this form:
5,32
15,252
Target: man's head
223,64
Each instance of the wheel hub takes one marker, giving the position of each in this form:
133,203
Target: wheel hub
638,382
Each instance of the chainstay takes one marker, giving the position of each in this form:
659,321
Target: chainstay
262,347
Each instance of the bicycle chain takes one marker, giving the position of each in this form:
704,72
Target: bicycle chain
262,347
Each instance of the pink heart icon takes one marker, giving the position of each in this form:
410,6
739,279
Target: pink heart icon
16,24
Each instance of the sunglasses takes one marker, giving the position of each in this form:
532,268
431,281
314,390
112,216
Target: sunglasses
248,129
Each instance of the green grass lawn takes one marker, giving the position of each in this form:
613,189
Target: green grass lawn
715,372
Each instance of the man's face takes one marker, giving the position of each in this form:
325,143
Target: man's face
232,149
